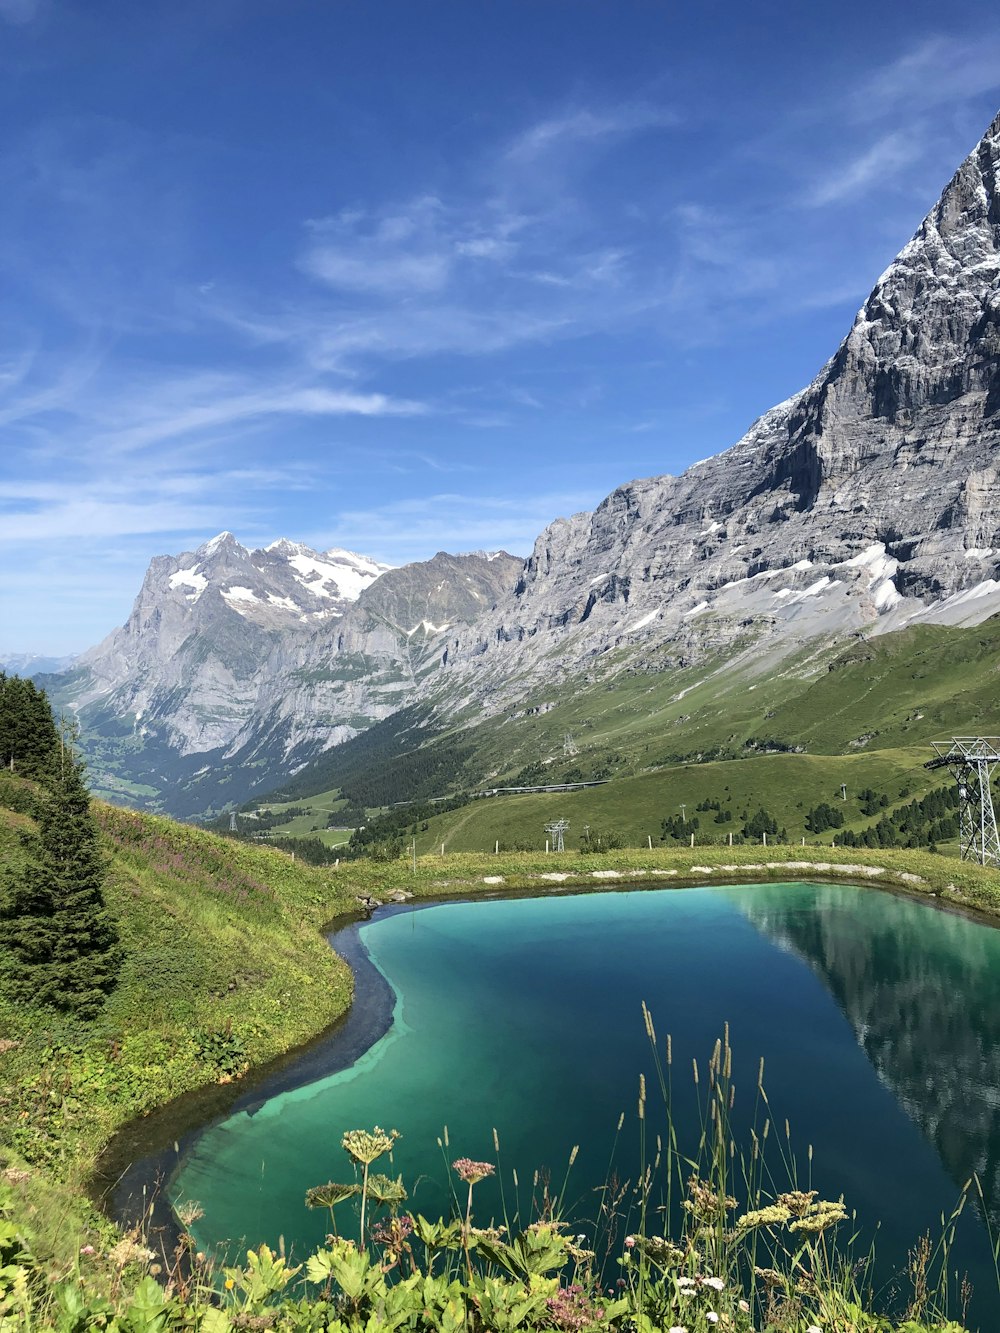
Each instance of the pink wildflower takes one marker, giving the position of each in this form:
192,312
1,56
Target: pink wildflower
472,1172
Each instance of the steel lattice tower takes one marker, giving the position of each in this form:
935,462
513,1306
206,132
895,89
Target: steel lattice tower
972,760
557,828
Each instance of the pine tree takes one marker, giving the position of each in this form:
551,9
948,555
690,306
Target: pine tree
59,939
85,955
29,744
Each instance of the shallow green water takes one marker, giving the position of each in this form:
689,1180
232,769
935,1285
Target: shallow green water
879,1021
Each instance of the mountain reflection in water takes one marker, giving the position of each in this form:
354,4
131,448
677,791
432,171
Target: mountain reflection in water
922,994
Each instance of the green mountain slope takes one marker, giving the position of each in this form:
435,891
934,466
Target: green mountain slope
863,716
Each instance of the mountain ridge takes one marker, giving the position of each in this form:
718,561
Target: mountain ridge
866,502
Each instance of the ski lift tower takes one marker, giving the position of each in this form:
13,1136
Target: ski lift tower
556,829
972,760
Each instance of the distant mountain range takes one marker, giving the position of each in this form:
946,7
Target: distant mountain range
868,502
30,664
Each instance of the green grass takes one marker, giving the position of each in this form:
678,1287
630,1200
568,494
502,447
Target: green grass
226,968
787,785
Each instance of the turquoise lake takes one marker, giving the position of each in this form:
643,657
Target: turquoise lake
878,1019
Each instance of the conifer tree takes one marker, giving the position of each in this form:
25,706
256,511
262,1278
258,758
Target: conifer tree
58,942
85,952
29,744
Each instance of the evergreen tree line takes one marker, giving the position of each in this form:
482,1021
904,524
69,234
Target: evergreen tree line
921,823
58,943
678,829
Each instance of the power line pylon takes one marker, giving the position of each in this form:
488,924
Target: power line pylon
972,760
556,830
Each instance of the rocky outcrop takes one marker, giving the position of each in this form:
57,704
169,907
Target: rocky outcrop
389,649
868,499
186,662
281,652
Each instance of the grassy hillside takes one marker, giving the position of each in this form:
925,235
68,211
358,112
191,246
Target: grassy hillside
786,785
863,716
225,965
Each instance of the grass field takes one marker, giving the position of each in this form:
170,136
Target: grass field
787,785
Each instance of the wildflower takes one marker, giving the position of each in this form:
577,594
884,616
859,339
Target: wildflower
571,1309
364,1147
472,1172
814,1328
770,1277
711,1316
716,1283
703,1201
677,1328
744,1306
129,1251
629,1242
818,1216
661,1251
774,1215
229,1284
491,1234
686,1283
87,1249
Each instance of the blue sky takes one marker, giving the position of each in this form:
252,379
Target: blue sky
410,275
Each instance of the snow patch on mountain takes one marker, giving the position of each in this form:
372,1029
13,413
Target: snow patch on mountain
189,578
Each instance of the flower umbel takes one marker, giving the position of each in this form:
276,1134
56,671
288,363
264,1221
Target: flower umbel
472,1172
364,1147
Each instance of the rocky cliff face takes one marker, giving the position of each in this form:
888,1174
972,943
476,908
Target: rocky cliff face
233,656
386,651
868,499
204,623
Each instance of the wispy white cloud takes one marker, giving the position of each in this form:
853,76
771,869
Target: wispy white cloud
876,165
586,126
942,68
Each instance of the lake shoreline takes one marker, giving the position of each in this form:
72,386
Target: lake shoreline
130,1177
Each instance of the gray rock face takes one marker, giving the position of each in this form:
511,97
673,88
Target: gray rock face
187,659
868,499
386,651
227,647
